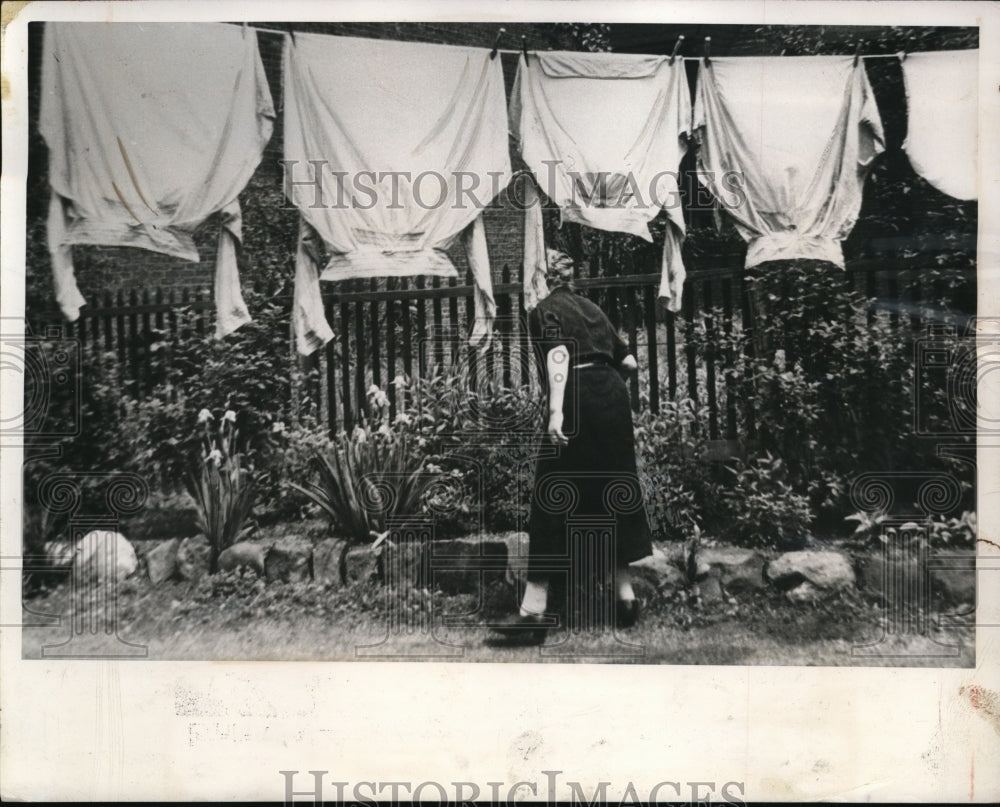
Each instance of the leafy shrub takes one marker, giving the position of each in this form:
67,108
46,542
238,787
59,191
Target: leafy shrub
222,490
679,483
370,477
466,434
835,383
763,509
955,533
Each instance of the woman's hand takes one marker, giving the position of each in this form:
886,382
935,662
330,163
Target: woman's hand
555,429
628,365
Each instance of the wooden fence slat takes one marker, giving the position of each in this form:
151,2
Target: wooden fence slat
345,363
652,350
689,351
332,414
727,323
359,358
390,348
376,338
633,346
710,390
377,324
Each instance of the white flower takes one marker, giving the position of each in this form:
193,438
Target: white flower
779,359
359,434
277,427
379,398
230,416
403,420
215,456
384,430
433,468
204,416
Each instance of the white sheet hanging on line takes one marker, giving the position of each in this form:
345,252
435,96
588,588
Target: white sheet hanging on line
399,129
785,144
603,135
942,132
151,128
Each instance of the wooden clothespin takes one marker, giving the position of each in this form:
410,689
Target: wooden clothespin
901,56
524,48
857,55
677,47
708,50
244,30
496,43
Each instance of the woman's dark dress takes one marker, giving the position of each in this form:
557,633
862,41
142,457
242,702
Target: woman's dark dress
599,461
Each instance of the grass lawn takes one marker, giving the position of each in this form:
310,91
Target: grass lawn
235,617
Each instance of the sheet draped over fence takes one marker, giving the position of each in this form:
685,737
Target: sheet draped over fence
942,99
151,129
796,137
603,134
418,123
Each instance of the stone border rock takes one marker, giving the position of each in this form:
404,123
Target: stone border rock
463,565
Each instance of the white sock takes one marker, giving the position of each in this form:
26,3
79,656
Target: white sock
623,580
536,597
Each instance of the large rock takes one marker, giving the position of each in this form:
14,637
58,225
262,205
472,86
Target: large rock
243,555
405,563
824,570
328,561
288,561
161,560
192,558
953,578
738,570
657,571
103,554
361,563
460,565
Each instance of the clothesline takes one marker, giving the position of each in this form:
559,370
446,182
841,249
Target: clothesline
278,31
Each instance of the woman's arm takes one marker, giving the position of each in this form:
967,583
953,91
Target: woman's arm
628,365
557,368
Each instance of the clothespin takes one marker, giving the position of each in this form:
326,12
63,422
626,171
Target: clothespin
901,56
677,47
708,49
496,43
857,55
244,30
524,49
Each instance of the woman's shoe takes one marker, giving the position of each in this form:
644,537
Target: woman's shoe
626,613
524,630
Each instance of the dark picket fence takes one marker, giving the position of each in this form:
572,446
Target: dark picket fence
410,326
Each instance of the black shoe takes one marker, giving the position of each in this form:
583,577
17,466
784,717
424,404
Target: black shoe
626,613
523,630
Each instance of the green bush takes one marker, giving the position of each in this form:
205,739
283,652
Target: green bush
762,508
679,483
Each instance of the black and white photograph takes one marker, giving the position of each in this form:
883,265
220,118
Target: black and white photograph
435,339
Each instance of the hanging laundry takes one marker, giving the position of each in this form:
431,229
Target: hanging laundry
151,128
392,150
785,144
603,134
942,133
